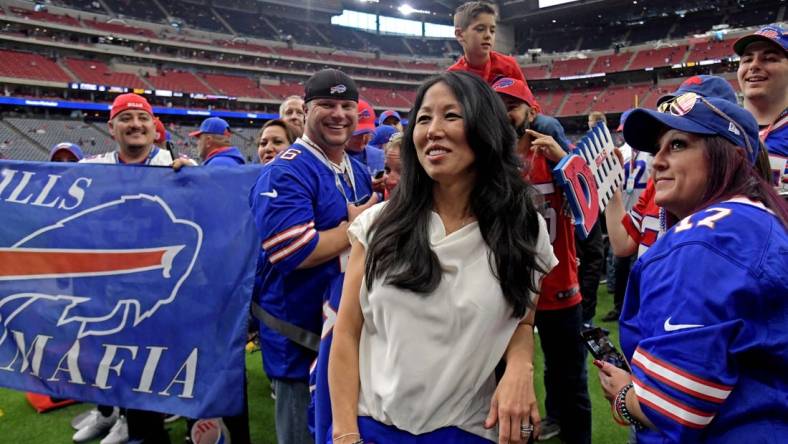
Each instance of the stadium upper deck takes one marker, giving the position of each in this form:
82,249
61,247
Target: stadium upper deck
57,48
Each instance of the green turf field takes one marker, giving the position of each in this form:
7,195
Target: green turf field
19,423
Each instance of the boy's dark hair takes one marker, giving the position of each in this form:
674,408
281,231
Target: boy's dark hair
467,12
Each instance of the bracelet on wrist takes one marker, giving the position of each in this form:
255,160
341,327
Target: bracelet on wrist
347,435
620,408
618,419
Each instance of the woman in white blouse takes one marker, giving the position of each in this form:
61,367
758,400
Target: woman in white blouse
440,285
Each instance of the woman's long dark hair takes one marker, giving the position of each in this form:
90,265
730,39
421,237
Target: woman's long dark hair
501,201
731,175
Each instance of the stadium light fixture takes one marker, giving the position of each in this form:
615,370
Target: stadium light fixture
406,9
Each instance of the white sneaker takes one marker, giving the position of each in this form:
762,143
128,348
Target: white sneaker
80,421
95,425
119,433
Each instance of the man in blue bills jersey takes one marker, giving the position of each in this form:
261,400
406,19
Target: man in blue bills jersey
303,203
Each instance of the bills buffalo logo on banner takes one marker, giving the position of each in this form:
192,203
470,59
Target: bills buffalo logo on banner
116,286
589,176
31,260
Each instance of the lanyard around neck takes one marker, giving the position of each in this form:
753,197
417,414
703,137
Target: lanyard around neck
345,168
781,120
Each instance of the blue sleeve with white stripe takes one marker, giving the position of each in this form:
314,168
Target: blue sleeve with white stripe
284,215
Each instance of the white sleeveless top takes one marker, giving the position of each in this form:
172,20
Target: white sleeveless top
427,362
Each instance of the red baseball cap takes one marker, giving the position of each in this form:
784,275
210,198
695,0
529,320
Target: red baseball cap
129,101
517,89
366,118
161,132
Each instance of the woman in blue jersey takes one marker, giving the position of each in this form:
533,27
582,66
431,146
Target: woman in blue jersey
705,319
440,285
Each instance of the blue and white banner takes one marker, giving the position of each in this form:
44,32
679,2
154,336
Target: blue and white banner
127,285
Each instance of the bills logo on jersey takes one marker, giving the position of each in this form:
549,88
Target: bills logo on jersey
338,89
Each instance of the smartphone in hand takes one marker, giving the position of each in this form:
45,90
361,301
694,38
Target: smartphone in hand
599,345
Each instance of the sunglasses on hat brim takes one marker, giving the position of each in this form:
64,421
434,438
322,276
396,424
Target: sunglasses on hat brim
684,103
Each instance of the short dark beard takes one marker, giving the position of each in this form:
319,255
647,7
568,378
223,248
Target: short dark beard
520,130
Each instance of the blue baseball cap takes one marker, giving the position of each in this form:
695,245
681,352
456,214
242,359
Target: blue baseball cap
73,148
693,114
388,113
212,125
704,86
382,135
771,33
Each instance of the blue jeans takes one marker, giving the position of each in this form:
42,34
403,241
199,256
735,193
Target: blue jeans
565,377
292,403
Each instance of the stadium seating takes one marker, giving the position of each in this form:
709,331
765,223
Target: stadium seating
142,9
651,99
30,66
244,46
655,29
620,98
85,5
48,133
550,101
435,47
235,86
279,92
754,14
183,81
46,16
572,67
694,23
14,146
383,97
249,24
196,14
536,72
710,50
98,73
611,63
579,102
651,58
342,37
118,28
409,96
391,45
232,24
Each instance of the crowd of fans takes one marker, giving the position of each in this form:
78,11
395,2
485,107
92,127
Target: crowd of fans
405,269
